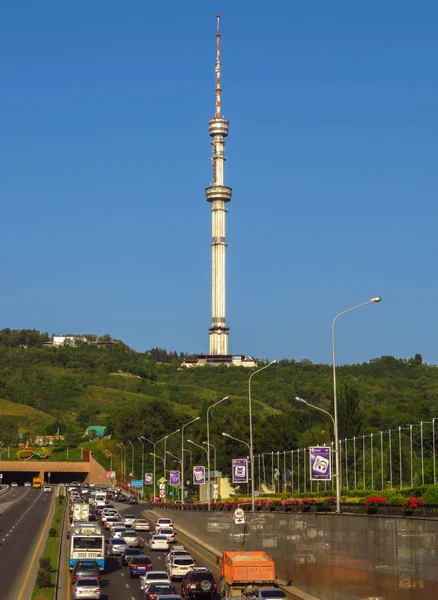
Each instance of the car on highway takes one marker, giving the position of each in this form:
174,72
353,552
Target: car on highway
109,512
178,566
154,577
85,568
118,532
141,525
111,521
168,597
27,484
114,546
132,539
14,484
177,551
152,590
199,583
158,542
46,489
86,588
163,522
139,565
129,520
129,553
168,532
115,525
132,500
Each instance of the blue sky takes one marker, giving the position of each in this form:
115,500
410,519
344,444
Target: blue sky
105,154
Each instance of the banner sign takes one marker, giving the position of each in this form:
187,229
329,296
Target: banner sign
110,474
148,479
320,463
240,470
136,483
174,478
198,475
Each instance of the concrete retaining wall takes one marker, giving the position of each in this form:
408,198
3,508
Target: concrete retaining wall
334,557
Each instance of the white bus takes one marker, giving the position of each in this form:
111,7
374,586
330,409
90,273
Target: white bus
87,547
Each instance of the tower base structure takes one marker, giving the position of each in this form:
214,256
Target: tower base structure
220,360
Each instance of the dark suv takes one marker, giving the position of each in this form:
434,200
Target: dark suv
85,568
199,583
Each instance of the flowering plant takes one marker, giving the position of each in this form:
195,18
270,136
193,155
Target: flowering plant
411,504
305,502
376,500
289,502
329,502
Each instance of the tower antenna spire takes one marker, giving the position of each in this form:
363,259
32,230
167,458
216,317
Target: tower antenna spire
218,67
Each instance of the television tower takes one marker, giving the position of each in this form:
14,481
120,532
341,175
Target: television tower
218,194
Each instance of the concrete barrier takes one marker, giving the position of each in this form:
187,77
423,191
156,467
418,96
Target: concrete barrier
332,557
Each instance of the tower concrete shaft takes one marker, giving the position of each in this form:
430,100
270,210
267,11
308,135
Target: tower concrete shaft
218,194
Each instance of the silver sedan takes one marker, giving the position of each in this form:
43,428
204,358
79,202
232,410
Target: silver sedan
87,588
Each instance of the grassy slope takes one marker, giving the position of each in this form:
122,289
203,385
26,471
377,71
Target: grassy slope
25,416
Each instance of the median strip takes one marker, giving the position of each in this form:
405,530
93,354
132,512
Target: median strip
47,573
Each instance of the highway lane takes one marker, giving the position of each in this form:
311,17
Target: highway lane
20,529
12,495
117,585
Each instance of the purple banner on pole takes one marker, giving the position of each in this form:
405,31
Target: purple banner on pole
174,478
198,475
320,463
240,470
148,479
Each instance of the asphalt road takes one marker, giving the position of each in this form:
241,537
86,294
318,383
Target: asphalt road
20,528
116,583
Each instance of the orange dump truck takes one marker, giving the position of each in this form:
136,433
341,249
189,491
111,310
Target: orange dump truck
245,572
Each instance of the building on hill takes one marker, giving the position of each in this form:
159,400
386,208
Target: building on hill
58,341
96,431
229,360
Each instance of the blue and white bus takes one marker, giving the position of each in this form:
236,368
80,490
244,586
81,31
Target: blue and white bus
87,547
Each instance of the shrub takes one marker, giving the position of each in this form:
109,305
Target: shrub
52,532
395,498
46,564
431,495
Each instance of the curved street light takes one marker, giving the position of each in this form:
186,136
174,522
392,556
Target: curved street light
251,445
208,446
374,300
182,455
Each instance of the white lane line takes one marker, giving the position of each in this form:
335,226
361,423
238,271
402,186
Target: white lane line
122,574
127,585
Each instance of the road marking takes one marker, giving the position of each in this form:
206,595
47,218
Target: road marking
127,585
20,595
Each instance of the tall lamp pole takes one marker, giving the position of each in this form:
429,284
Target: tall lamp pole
182,455
205,450
214,454
251,445
132,458
375,300
208,446
165,458
153,454
142,461
124,459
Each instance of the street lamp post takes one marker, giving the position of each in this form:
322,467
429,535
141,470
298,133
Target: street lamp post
132,458
214,454
202,448
208,446
142,461
335,400
182,455
121,457
165,459
153,454
251,446
124,458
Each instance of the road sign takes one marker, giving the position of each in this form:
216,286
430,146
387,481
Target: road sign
131,474
215,491
162,486
162,493
239,516
256,493
162,480
137,483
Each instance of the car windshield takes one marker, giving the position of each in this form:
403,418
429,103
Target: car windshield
87,582
166,530
129,516
164,521
201,576
154,587
183,561
118,542
159,537
140,521
157,575
272,594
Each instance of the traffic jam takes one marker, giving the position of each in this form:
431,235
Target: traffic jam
115,552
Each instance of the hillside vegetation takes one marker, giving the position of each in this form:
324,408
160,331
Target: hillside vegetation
45,389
